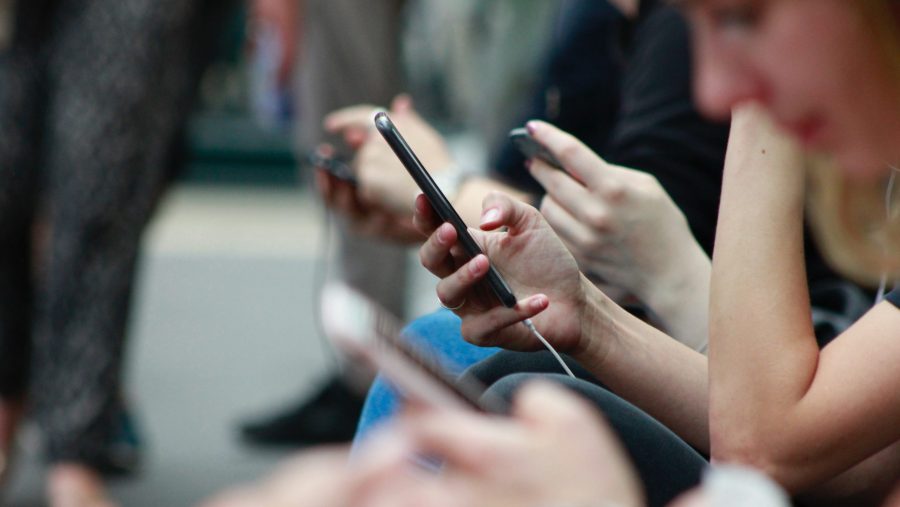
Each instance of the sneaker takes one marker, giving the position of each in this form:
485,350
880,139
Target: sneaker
122,456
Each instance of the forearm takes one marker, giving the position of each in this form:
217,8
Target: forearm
661,376
680,298
763,352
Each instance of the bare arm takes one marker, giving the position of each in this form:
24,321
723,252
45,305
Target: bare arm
776,401
662,376
638,362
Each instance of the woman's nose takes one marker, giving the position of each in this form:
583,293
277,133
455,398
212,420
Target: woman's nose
723,79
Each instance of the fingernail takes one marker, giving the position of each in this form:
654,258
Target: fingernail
490,215
531,127
527,163
539,302
477,265
444,233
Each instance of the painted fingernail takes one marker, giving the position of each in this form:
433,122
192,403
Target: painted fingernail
419,205
490,215
532,127
539,302
528,162
478,265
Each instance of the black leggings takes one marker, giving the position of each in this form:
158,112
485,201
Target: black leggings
667,466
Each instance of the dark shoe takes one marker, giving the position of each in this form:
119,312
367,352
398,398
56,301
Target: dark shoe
329,416
122,457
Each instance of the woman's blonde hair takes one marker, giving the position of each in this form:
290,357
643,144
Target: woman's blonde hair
857,224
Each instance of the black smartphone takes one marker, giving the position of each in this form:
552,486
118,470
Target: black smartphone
531,148
440,203
334,165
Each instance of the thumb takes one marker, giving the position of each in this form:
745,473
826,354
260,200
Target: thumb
501,210
551,405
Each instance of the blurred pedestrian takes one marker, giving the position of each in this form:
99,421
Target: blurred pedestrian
93,97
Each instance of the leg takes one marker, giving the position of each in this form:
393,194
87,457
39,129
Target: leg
437,335
21,118
506,362
666,464
122,77
350,56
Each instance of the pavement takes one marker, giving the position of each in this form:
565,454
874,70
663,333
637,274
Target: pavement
222,330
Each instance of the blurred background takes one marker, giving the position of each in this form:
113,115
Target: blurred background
222,325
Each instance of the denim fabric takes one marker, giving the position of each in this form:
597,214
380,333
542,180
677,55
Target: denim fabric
437,335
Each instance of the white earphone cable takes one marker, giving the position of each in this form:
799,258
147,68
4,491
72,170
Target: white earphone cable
530,325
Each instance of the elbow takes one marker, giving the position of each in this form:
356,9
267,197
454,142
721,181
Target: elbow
741,449
758,448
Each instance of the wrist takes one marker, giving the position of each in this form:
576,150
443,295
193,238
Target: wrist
599,327
450,178
683,282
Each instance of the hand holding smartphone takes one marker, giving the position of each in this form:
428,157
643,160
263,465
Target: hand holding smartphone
334,165
440,203
531,148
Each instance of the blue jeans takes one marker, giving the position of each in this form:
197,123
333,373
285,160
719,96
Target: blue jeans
666,465
436,335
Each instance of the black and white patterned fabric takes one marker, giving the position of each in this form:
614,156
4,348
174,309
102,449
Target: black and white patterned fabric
92,96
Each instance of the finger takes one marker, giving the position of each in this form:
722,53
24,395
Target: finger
383,455
452,290
481,329
325,150
577,159
698,498
324,187
501,210
570,229
237,497
356,137
402,104
588,208
314,476
465,440
459,254
360,116
346,199
564,413
425,220
578,201
558,183
551,405
435,252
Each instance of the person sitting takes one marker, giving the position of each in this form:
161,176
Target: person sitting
773,393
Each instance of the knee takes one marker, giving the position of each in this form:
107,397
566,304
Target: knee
506,388
442,321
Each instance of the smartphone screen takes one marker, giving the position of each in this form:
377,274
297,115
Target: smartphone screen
440,203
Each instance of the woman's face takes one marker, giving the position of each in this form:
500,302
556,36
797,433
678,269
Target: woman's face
815,64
